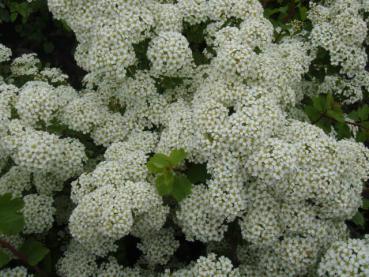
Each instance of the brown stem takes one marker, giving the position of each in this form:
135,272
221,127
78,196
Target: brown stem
356,124
350,123
265,2
19,255
291,11
346,122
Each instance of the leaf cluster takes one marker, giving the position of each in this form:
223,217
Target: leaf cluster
31,252
170,181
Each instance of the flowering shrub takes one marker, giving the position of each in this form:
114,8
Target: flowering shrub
192,148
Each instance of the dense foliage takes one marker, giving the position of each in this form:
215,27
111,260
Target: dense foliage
182,138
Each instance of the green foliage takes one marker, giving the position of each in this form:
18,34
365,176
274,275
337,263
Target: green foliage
11,10
12,223
282,12
20,13
11,217
326,113
365,205
181,187
29,27
348,121
177,156
195,37
174,176
169,180
361,118
34,250
158,163
359,219
4,259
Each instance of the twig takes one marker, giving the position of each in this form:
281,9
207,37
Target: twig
265,2
291,11
19,255
346,122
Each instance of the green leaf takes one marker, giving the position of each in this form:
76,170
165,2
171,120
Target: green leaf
303,13
47,264
362,136
364,125
195,32
11,217
359,219
325,124
4,259
343,130
164,183
354,115
170,82
13,16
23,9
329,101
361,114
4,15
336,115
34,250
182,187
197,173
158,163
269,12
312,113
365,205
177,156
319,103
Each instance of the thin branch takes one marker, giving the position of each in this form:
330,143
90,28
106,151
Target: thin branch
265,3
291,11
346,122
19,255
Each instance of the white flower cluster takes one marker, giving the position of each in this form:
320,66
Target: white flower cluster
287,185
19,271
350,91
340,29
170,54
108,31
158,248
108,214
116,200
5,53
38,213
290,185
207,266
35,163
37,103
346,258
25,65
77,262
42,152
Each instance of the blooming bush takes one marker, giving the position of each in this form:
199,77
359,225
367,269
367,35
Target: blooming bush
192,148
